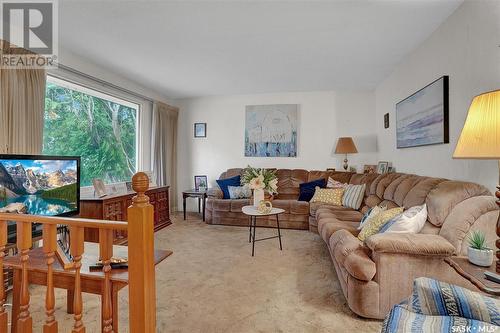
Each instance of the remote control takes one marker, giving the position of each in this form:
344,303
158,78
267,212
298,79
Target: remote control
492,277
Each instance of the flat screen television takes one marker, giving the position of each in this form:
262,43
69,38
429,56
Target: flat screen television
40,185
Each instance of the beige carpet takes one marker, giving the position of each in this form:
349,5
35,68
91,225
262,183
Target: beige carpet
212,284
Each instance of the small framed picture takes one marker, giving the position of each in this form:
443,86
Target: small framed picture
99,187
129,186
382,167
386,120
200,183
391,169
369,168
200,130
330,169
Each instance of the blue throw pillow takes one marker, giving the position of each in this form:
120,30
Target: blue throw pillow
225,183
306,190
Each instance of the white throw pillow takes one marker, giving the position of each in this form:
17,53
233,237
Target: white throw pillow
370,214
410,221
332,183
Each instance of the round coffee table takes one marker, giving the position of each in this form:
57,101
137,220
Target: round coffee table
253,213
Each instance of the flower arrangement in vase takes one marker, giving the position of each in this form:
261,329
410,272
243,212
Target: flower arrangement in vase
260,181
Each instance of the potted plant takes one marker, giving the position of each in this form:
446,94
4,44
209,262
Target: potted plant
478,253
260,181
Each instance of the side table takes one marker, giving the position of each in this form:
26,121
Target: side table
253,213
201,195
475,274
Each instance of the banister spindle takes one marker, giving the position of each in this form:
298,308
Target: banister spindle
24,243
77,248
3,313
105,253
141,269
49,248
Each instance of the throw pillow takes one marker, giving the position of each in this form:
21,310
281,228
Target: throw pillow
370,214
225,183
239,192
374,224
332,196
410,221
306,190
353,196
332,183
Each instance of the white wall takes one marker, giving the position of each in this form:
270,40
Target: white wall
465,47
323,117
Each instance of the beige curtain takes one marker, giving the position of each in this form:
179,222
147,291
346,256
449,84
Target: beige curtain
164,148
22,104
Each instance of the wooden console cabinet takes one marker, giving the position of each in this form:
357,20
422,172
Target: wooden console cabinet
114,208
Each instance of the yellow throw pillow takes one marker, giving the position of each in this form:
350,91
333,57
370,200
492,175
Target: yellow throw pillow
373,225
328,195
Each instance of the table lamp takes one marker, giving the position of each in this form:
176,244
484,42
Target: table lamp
480,138
345,146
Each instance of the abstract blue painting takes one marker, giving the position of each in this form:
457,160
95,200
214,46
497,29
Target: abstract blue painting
271,130
422,118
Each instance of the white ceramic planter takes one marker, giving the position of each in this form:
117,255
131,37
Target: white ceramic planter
258,196
480,257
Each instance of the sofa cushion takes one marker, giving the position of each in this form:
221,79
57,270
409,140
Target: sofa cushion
225,183
237,204
299,207
306,190
332,196
374,224
316,207
350,253
415,244
327,226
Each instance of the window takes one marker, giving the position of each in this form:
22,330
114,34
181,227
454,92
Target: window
100,128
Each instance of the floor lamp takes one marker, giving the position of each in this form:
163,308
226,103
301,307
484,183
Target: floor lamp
480,139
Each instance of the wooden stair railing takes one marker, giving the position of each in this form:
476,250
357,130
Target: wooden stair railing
141,271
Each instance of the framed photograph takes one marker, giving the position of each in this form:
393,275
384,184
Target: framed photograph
200,130
386,120
129,186
391,169
382,167
200,183
330,169
370,168
99,187
422,118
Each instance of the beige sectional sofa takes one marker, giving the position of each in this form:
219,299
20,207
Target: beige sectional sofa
297,213
379,273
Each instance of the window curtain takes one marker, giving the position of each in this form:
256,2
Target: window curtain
22,104
164,148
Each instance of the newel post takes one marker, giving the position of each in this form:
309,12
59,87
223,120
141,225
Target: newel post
142,290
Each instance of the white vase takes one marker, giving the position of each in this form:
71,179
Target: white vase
258,196
480,257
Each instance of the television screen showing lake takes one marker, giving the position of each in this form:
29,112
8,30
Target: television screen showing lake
39,186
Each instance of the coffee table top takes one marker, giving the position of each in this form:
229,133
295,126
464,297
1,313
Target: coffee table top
252,211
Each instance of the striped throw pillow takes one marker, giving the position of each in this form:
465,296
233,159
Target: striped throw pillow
353,196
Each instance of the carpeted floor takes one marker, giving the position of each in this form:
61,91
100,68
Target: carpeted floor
212,284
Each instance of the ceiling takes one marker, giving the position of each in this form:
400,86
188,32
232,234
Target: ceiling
201,48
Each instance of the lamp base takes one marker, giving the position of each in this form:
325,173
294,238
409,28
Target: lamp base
345,164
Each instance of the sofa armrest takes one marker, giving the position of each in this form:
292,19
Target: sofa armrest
415,244
215,193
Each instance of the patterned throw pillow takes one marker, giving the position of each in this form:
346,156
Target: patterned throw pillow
239,192
332,196
374,224
353,196
370,214
332,183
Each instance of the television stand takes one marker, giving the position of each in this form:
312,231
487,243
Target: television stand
113,207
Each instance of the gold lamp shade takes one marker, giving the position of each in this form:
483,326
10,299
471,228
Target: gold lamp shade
480,137
345,145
